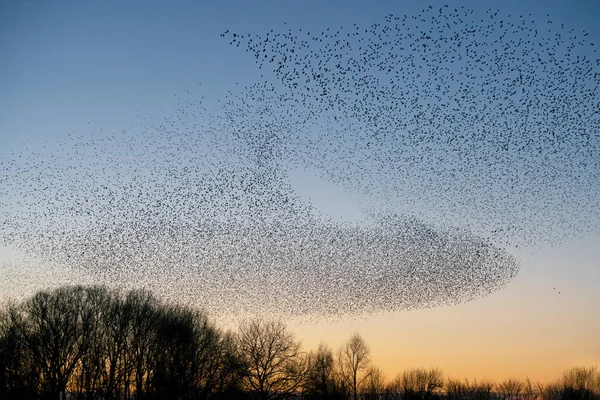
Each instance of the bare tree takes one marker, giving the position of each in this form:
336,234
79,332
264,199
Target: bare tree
101,344
374,386
394,388
231,369
19,374
510,388
186,353
434,382
144,320
456,389
532,390
354,363
482,390
88,376
476,390
580,382
116,325
275,366
321,380
540,389
56,336
420,383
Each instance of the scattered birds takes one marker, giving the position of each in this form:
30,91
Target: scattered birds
461,135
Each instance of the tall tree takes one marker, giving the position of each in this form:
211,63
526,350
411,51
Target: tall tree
321,380
144,320
19,374
88,376
354,362
56,336
231,369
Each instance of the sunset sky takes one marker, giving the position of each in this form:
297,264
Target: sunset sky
79,66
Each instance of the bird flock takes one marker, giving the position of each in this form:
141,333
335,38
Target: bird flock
461,134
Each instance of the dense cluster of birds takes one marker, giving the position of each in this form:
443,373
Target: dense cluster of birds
461,135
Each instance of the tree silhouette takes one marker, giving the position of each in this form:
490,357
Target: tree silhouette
374,385
231,369
532,390
419,383
57,336
475,390
144,312
510,388
101,344
580,383
321,380
275,367
19,375
95,343
89,374
354,362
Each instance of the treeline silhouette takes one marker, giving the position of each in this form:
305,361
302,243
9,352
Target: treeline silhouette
94,343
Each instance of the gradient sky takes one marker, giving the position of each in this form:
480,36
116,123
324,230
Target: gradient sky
80,66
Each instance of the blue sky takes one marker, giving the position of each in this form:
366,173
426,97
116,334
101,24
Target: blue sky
80,67
71,67
67,63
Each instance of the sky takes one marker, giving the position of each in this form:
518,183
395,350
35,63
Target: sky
72,67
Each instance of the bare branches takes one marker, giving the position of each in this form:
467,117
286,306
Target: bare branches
419,383
322,380
510,388
275,366
354,362
92,343
476,390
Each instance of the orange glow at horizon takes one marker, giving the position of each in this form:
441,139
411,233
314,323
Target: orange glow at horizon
527,330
